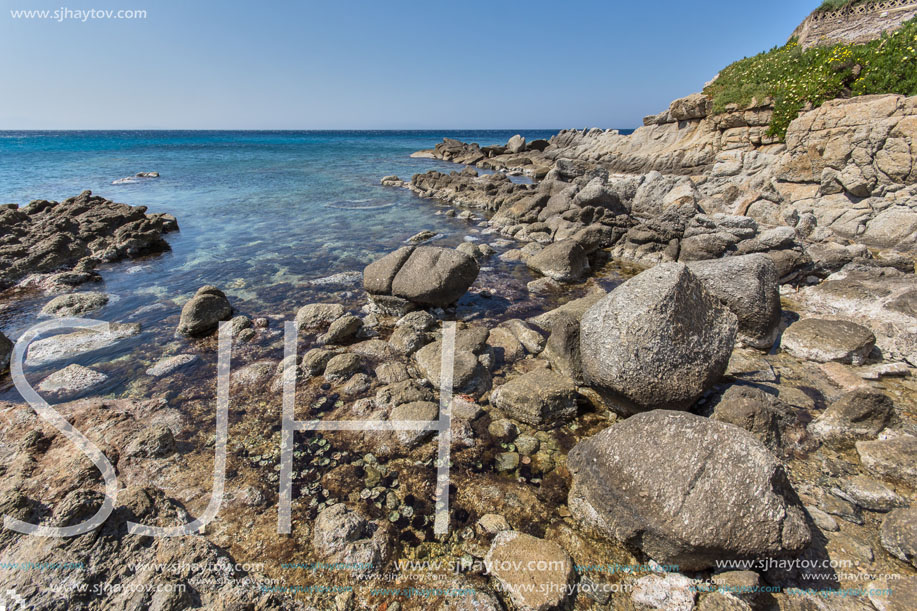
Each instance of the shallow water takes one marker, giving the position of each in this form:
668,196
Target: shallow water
261,214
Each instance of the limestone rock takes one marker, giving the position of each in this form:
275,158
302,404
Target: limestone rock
894,459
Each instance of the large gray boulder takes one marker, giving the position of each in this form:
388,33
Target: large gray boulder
686,490
658,340
6,351
563,261
749,286
203,312
423,275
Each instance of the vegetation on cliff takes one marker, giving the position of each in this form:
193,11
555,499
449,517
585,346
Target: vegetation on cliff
833,5
795,78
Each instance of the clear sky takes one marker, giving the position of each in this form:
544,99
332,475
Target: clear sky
347,64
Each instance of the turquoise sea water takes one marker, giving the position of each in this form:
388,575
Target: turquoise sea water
261,213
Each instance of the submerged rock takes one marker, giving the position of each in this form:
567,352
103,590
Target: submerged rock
659,340
171,364
68,345
204,312
71,381
686,490
75,304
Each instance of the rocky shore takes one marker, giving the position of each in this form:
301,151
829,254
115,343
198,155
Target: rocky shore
732,427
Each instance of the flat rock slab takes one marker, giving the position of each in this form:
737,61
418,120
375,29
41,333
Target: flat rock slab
534,573
68,345
894,459
823,341
171,364
75,304
72,381
899,534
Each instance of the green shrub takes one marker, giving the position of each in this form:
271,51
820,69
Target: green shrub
833,5
794,77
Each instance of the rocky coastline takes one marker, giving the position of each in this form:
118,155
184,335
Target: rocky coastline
732,427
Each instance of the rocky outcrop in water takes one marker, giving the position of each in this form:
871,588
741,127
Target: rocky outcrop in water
80,232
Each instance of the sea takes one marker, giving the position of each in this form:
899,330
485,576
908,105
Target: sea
268,217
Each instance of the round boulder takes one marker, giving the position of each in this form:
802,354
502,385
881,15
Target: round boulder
428,276
658,340
203,312
686,490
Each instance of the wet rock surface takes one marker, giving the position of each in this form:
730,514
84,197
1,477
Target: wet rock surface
82,231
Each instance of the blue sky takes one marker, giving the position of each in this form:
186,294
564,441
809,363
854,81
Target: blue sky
344,64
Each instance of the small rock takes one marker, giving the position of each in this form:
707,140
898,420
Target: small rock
342,535
6,350
71,381
672,592
823,341
315,360
883,370
75,304
870,494
539,398
506,462
342,366
318,315
490,524
859,414
503,430
171,364
895,458
421,237
342,330
822,520
156,441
